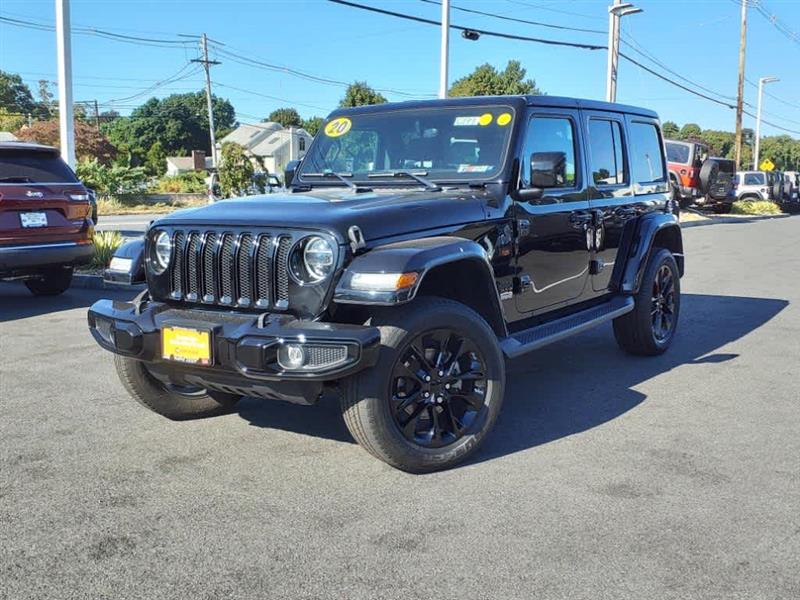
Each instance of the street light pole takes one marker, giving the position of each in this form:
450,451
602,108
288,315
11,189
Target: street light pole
445,49
64,59
761,82
615,12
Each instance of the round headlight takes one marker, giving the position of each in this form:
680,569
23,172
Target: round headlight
162,251
312,260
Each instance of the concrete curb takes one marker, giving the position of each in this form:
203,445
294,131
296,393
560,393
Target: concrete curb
95,282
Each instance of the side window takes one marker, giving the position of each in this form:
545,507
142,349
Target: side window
302,143
549,154
646,151
605,149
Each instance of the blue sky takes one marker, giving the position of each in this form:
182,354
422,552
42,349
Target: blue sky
698,39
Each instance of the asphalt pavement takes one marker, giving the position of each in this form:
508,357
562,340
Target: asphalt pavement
607,476
127,225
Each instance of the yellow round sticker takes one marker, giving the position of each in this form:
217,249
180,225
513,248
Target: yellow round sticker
338,127
504,119
485,119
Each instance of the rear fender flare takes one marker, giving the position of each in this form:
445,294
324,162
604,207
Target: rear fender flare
655,229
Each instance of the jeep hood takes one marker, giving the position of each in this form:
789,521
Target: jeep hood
380,214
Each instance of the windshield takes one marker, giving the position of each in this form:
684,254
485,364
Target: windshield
442,143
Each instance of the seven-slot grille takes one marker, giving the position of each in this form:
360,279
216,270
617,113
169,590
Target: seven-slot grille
245,269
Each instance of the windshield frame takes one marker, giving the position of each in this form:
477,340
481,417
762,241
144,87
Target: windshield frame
504,162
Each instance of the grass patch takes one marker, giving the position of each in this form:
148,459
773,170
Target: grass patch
124,205
105,244
755,207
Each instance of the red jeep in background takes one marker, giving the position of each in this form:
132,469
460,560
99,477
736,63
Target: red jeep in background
46,225
698,179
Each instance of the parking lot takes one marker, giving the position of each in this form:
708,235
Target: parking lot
607,476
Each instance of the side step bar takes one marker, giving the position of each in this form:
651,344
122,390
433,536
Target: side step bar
536,337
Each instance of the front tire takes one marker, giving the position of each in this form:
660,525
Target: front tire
435,392
51,283
648,330
174,402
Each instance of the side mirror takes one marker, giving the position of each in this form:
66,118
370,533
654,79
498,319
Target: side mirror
288,173
548,169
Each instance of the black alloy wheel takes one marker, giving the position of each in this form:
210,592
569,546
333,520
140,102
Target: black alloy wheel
663,303
438,388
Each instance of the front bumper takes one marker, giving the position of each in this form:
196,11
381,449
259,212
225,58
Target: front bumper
244,347
31,258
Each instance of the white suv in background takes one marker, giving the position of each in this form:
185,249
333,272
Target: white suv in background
752,185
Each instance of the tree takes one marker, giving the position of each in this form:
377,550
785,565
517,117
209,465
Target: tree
46,98
235,171
179,122
670,130
89,143
15,96
690,130
10,121
359,93
288,117
156,159
485,80
313,124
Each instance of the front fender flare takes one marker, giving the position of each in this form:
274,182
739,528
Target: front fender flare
132,251
419,256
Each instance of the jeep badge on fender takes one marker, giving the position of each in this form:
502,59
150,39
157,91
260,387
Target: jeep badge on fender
418,247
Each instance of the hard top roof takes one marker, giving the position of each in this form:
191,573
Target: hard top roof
517,101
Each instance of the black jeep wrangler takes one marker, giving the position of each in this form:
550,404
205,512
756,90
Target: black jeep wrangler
417,247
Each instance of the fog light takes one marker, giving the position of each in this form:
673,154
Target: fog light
291,356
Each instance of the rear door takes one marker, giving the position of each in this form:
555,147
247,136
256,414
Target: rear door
553,258
41,200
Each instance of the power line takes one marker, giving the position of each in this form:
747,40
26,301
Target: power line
539,6
515,19
259,94
508,36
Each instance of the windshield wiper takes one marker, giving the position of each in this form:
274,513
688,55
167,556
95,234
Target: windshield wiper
418,176
341,177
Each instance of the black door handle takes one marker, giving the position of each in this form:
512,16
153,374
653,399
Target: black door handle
625,211
580,218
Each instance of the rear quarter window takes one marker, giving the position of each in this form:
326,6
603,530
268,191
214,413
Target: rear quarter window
677,153
33,167
647,164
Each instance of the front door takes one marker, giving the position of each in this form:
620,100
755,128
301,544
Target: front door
553,257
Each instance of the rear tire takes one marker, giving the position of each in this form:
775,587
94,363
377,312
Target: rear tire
421,425
658,301
51,283
178,404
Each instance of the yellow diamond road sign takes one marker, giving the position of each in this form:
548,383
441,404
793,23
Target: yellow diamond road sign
766,165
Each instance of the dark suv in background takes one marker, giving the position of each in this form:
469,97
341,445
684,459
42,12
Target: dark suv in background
46,225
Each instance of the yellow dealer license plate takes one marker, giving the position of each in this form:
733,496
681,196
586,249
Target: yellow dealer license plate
186,345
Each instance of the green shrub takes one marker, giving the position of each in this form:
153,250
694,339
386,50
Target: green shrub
755,207
186,183
105,244
110,180
236,170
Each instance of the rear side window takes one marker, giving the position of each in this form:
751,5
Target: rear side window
754,179
647,164
677,153
605,146
33,167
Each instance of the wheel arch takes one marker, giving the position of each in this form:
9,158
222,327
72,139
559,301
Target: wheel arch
659,230
446,267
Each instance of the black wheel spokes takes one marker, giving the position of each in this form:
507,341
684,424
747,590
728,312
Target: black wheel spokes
662,310
438,388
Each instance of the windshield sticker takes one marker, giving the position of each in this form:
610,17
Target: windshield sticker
466,121
485,119
338,127
504,119
474,168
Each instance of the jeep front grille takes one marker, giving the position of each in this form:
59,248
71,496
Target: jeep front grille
243,269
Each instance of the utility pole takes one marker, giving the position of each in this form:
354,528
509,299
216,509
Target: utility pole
97,115
445,49
615,12
761,82
64,57
740,96
207,64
